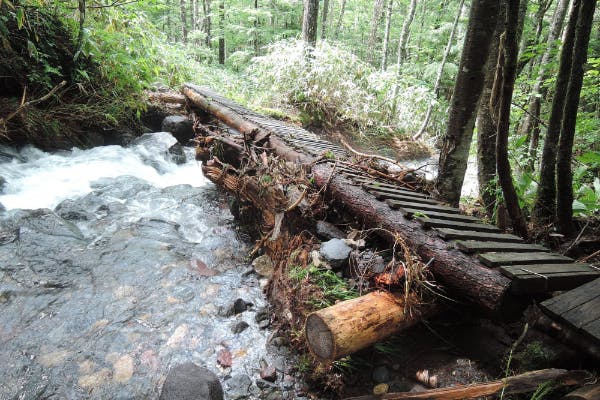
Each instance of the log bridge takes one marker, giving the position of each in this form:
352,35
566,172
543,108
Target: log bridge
477,264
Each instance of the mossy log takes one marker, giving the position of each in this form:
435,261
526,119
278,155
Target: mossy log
352,325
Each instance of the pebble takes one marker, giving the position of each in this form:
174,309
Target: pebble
335,251
240,305
239,386
224,358
240,327
263,266
268,373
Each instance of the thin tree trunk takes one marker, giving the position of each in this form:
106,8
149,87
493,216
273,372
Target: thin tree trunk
80,34
535,99
544,210
194,21
340,20
386,39
564,174
467,91
440,72
184,30
222,32
377,11
324,19
405,32
487,125
511,55
207,23
309,23
255,41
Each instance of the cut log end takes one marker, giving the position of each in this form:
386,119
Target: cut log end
319,337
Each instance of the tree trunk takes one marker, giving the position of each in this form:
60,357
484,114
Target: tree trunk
386,38
405,32
324,19
440,72
535,98
544,210
352,325
255,41
487,124
206,23
340,20
467,91
222,32
511,50
81,32
194,22
564,174
377,11
309,23
184,29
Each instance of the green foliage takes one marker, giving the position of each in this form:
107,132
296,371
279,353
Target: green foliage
332,288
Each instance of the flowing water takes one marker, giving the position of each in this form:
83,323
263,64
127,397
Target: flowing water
117,264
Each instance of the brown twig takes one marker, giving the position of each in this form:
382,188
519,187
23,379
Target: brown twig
372,156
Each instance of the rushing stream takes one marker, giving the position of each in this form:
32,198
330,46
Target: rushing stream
117,264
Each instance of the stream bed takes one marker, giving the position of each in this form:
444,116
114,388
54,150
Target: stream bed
117,264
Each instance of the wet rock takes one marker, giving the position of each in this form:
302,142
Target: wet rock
190,382
381,389
2,184
224,358
326,231
73,211
263,317
268,373
240,305
2,208
238,386
265,385
177,154
381,374
263,266
180,127
239,327
335,251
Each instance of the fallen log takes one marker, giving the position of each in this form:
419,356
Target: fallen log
523,383
352,325
167,97
462,274
588,392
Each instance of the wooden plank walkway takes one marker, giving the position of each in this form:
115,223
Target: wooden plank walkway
533,269
579,308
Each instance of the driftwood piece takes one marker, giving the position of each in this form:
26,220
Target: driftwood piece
167,97
523,383
462,274
352,325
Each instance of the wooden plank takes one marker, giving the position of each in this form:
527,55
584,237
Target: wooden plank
496,259
560,305
421,207
469,226
584,313
543,278
475,246
393,196
454,234
396,190
411,212
593,328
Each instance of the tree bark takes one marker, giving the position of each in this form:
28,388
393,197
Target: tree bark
184,29
207,22
544,210
255,41
309,23
440,72
352,325
564,174
535,99
487,124
405,32
377,11
324,19
386,36
222,32
81,32
467,91
511,50
340,20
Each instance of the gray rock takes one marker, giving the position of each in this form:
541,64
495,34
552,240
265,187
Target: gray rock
263,266
326,231
2,208
262,314
177,154
335,251
2,184
240,327
238,386
240,305
264,384
381,374
190,382
180,127
268,373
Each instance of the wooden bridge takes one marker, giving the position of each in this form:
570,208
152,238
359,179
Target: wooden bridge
495,271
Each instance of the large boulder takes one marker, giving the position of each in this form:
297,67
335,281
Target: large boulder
180,127
191,382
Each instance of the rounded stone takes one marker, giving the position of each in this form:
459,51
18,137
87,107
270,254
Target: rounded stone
191,382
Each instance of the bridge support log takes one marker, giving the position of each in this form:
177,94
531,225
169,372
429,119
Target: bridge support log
352,325
461,274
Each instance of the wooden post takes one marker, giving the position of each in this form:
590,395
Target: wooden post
352,325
